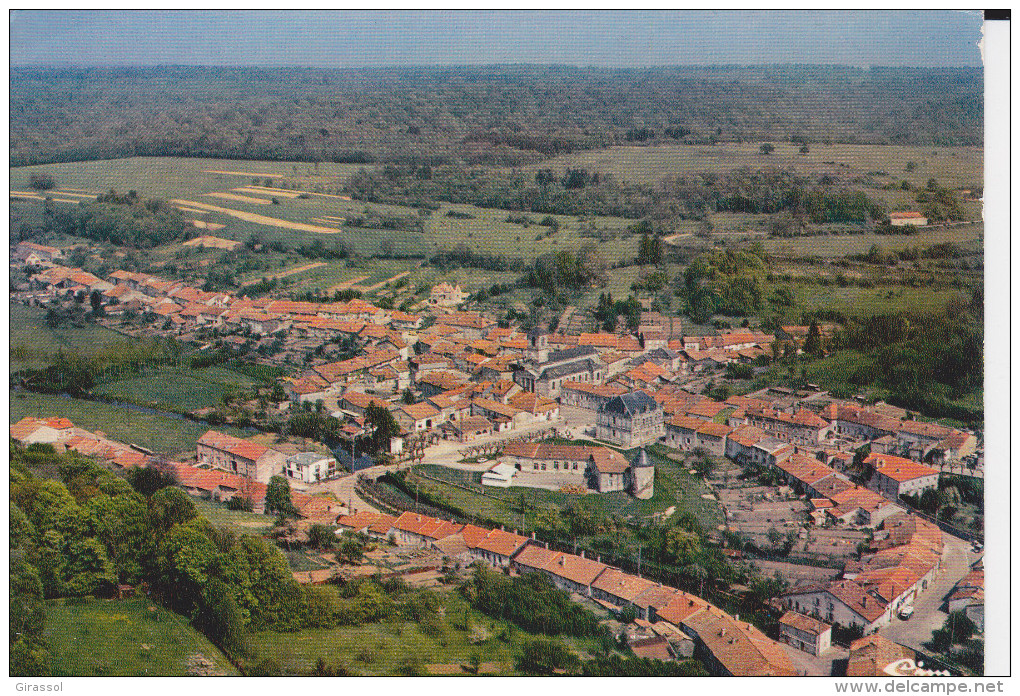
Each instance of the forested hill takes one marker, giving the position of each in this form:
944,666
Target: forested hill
503,115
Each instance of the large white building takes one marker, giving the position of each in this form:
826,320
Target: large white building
309,467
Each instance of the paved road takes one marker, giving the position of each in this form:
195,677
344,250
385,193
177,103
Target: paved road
928,614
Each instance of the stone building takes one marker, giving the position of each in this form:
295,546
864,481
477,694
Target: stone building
239,456
630,420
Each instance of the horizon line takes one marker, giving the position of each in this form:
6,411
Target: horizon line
862,67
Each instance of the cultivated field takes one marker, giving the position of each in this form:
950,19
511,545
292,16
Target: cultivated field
131,637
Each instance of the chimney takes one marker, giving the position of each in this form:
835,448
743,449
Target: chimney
532,536
582,553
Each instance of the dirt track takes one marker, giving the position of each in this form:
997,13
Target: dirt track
289,272
259,219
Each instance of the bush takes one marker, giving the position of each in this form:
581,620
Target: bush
240,502
543,656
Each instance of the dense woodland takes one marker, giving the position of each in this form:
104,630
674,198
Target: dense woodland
502,115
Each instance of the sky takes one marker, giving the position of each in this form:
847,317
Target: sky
943,38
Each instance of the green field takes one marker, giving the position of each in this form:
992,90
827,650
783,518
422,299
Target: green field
952,166
379,649
32,342
161,433
241,522
173,390
829,246
854,301
125,638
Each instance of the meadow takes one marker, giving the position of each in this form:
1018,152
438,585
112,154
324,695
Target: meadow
176,390
162,433
953,167
33,343
381,648
967,237
131,637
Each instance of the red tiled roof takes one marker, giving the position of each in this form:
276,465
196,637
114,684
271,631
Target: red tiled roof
502,543
234,445
898,468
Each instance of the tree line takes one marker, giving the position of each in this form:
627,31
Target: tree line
493,115
580,192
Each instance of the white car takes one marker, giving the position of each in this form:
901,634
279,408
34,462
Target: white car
906,611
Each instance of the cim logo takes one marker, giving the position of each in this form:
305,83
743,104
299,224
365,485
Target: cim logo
908,668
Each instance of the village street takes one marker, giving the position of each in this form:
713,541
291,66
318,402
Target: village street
928,614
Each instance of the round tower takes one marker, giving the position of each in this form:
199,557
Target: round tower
642,476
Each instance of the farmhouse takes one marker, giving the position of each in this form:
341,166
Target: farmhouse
844,602
733,648
587,395
446,295
800,428
805,633
239,456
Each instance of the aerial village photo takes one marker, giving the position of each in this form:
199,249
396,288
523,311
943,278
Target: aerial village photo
497,343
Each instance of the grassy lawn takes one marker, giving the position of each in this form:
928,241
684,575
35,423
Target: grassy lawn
243,522
157,432
379,649
124,638
35,342
674,487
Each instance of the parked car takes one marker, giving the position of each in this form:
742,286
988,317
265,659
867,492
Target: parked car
906,611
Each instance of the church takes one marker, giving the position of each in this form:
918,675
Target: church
543,371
